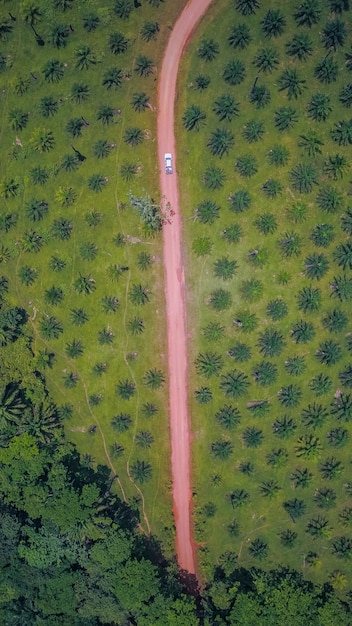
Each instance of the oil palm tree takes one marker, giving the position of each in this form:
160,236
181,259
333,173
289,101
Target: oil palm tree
74,349
284,427
246,165
228,416
154,379
6,28
42,140
193,118
341,287
252,437
27,275
260,96
135,326
343,255
269,489
234,384
322,235
258,549
290,396
53,295
97,182
240,201
335,321
326,71
325,498
329,352
288,538
209,364
251,290
50,327
318,527
58,35
273,23
88,250
330,199
48,106
31,13
121,422
222,449
225,268
213,177
315,415
301,478
300,47
150,31
285,118
78,317
53,71
342,548
207,212
331,468
336,166
247,7
309,299
105,336
101,149
310,143
140,102
220,299
253,131
239,37
203,395
226,108
91,22
345,377
338,437
308,447
144,66
85,57
316,265
277,309
345,96
295,508
79,93
141,471
240,352
9,188
36,210
266,60
234,72
334,34
308,13
118,43
144,439
208,49
18,119
265,373
319,107
133,136
123,8
272,188
342,132
61,229
303,177
266,223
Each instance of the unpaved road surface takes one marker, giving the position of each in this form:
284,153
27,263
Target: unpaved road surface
175,287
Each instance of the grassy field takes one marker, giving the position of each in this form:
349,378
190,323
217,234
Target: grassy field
73,249
250,274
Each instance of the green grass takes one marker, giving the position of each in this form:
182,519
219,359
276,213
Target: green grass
128,356
213,479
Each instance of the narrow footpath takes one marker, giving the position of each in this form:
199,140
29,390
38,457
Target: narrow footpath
175,287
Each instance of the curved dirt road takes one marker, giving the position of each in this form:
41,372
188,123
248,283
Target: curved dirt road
174,287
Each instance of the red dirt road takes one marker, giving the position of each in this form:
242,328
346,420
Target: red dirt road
175,288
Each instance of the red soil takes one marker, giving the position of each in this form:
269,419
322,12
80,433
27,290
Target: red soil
175,288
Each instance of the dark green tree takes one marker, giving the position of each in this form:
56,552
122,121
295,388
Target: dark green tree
226,107
50,327
295,508
209,364
301,478
309,299
285,118
334,34
290,396
208,49
112,78
284,427
320,385
258,549
150,31
118,43
144,66
228,416
325,498
193,118
253,131
308,447
291,82
53,71
259,96
91,22
234,384
222,449
326,71
239,37
315,415
329,352
273,23
105,114
234,72
266,223
335,321
266,60
252,437
271,342
300,47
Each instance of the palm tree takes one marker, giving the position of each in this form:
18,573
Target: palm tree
266,60
99,369
154,379
330,199
295,508
345,96
144,66
338,6
288,538
69,163
240,352
290,396
140,102
341,407
144,439
326,71
331,468
118,43
144,261
12,404
334,34
302,331
297,213
345,377
101,149
271,188
128,171
93,218
247,7
97,182
18,119
53,296
342,548
123,8
341,287
50,327
208,49
246,468
285,118
6,28
251,290
329,352
226,108
228,416
8,221
27,275
346,517
318,527
246,165
222,449
53,71
149,31
269,489
277,458
232,234
258,549
310,143
105,336
85,57
91,22
301,478
139,294
193,118
343,255
220,299
284,427
141,471
308,13
336,166
88,250
309,299
239,498
84,284
63,5
21,85
259,96
239,37
149,409
117,450
74,349
225,268
201,82
273,23
121,422
79,93
203,395
234,384
265,373
31,13
303,177
322,235
78,317
315,415
252,437
43,140
209,364
266,223
325,498
65,196
214,177
300,47
308,447
133,136
61,229
271,342
234,72
48,106
240,201
58,35
319,107
9,188
105,114
207,212
342,132
112,79
277,309
253,131
32,241
316,265
36,210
